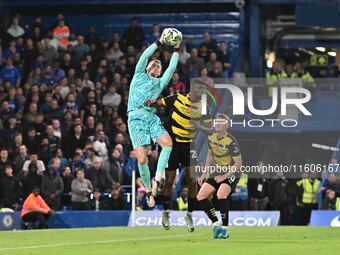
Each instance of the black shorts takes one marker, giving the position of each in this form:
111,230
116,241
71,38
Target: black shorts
231,181
182,155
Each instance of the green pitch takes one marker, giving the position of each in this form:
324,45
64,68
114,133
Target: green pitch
177,241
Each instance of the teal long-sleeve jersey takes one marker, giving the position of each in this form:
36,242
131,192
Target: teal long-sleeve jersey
144,87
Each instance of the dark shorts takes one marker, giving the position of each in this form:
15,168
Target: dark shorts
231,181
182,155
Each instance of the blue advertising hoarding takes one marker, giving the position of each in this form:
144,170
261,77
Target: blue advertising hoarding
325,218
236,218
88,219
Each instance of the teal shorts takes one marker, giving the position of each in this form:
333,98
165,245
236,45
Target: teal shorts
144,126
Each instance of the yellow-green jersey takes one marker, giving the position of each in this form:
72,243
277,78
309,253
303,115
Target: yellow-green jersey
224,148
182,110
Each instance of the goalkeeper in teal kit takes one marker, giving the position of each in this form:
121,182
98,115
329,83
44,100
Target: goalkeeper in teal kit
143,123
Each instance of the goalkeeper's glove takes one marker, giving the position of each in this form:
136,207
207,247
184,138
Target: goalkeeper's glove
164,34
180,41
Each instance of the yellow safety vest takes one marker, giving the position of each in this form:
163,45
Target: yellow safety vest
337,204
182,206
306,77
243,180
273,80
310,192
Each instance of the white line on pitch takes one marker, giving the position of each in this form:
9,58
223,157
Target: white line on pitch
95,242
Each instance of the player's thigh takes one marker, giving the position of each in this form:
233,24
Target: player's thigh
174,159
223,191
205,191
158,133
139,131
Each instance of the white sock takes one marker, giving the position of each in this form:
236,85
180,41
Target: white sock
216,223
189,213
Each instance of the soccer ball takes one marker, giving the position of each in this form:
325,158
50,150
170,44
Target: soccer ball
172,36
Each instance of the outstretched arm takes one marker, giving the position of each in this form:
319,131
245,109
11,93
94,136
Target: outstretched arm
169,71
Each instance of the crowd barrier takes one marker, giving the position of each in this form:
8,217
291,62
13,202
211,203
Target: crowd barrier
88,219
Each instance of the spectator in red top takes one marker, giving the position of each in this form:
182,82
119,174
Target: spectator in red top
35,210
61,35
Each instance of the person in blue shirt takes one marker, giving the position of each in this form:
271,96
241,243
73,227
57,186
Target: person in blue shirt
10,73
143,123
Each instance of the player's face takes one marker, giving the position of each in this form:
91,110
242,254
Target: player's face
155,69
196,90
221,124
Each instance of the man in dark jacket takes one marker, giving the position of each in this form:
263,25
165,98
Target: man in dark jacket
114,167
74,140
51,187
116,201
9,190
278,196
258,191
99,178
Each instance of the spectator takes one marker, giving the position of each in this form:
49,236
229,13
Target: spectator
101,145
274,74
100,178
205,78
10,73
116,201
223,55
34,164
57,72
182,200
177,84
68,177
75,140
49,52
113,166
81,188
29,55
80,49
13,102
97,202
35,210
15,30
141,199
307,197
92,36
32,141
9,190
4,161
214,63
44,152
331,202
195,62
35,76
32,178
51,188
115,53
19,160
112,98
184,54
77,162
134,35
209,42
278,197
258,191
61,35
299,72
